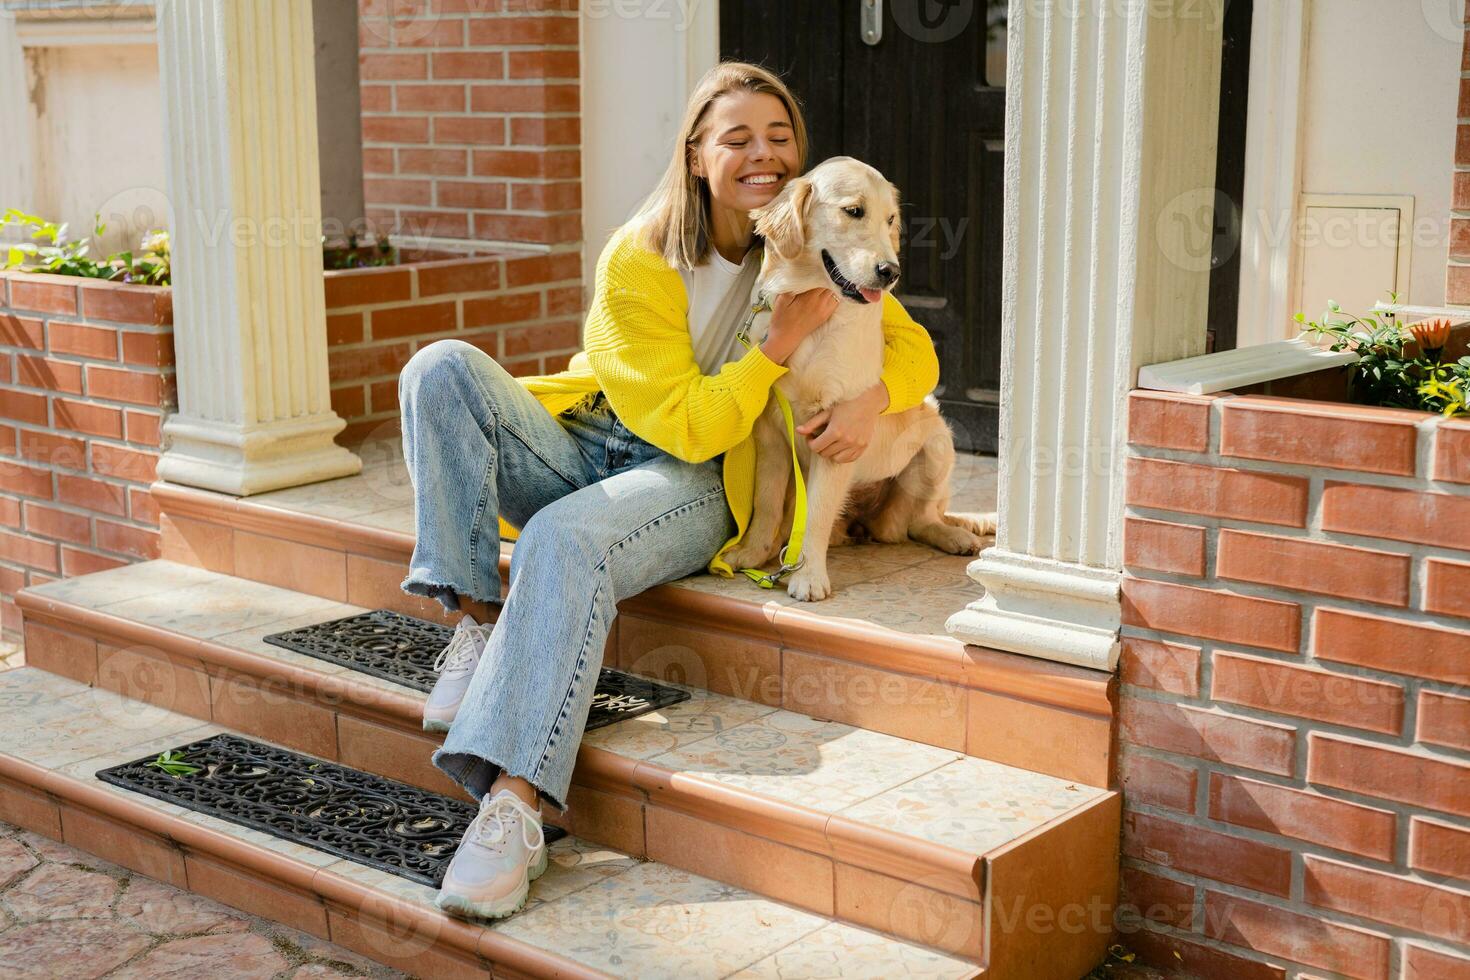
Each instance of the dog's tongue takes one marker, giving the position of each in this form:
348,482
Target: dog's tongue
872,295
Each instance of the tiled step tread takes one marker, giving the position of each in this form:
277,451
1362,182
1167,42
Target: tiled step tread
922,791
594,905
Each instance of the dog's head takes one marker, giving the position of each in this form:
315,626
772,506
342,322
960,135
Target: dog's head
835,226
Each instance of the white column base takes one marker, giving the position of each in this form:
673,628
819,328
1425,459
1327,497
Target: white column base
1042,608
237,460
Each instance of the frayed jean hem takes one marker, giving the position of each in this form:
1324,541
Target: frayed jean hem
476,775
445,592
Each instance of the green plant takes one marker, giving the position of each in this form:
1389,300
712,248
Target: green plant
172,762
154,266
1397,366
49,250
359,255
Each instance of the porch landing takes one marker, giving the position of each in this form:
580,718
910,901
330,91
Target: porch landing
908,588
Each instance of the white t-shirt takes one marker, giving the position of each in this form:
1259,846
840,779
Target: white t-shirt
708,287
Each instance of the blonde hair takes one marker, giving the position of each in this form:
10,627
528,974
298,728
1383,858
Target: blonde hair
676,216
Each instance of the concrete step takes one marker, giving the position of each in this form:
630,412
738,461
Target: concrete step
875,655
597,912
921,842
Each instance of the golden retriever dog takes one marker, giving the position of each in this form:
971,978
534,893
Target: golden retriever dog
837,227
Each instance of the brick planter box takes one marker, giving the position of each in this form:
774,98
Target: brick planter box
1294,726
86,378
524,310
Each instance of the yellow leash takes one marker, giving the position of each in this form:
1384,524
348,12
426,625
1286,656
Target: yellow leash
790,556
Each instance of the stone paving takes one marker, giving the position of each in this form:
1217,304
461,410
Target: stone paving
66,915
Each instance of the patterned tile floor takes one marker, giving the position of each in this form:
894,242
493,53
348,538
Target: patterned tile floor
910,588
603,908
65,913
926,792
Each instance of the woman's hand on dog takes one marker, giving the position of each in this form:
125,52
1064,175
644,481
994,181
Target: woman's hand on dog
793,317
847,426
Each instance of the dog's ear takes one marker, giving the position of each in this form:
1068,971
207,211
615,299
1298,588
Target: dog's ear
895,228
782,223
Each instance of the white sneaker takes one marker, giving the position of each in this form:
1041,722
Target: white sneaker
456,666
503,851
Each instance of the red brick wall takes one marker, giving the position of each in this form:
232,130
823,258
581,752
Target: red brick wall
1457,283
524,310
470,118
1294,725
86,377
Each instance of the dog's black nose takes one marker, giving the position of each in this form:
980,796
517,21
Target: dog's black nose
887,272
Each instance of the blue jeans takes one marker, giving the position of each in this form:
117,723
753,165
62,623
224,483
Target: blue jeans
603,515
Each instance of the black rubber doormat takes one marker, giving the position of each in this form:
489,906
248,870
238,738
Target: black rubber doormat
379,822
403,648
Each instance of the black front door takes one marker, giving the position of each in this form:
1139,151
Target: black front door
903,85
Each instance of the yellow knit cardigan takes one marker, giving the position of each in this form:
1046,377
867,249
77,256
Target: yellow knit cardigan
637,351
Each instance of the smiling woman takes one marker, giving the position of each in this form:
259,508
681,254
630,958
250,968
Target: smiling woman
625,471
744,137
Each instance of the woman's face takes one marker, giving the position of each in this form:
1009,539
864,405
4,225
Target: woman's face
748,152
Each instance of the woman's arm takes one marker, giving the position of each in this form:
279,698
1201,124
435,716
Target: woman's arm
910,365
659,394
637,341
910,372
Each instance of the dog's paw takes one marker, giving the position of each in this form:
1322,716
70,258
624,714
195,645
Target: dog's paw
809,585
949,538
980,525
744,556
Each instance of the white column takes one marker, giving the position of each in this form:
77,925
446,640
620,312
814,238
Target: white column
1111,115
249,313
17,188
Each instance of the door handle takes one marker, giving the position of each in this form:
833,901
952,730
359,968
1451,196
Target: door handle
871,21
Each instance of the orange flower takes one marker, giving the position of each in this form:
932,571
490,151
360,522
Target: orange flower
1432,335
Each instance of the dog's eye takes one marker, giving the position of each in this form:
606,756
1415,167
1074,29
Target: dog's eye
856,211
